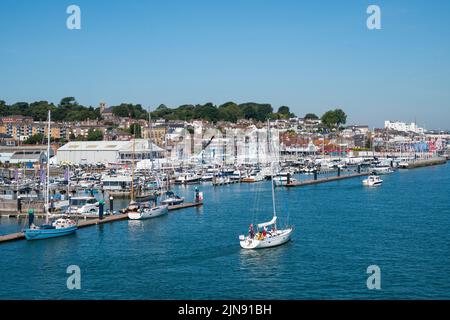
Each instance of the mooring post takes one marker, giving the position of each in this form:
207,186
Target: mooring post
359,168
111,205
19,204
101,204
315,174
197,195
30,217
339,172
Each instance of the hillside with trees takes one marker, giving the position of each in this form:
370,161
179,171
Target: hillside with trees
70,110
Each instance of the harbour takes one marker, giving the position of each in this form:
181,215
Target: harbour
407,236
91,220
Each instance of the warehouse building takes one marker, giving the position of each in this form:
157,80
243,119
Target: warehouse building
90,152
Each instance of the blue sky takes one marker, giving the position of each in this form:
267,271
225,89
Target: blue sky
309,55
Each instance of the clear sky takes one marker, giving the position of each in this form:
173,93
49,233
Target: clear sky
308,55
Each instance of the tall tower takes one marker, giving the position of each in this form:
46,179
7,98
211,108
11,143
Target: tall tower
102,107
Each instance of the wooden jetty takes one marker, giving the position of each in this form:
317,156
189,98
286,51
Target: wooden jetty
323,180
425,163
226,182
92,221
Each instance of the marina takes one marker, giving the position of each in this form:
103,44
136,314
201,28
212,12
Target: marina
93,220
212,159
410,234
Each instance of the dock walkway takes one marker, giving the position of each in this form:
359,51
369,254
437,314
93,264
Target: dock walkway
96,221
327,179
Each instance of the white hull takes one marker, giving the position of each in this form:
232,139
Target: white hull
382,170
148,213
277,239
372,183
172,201
282,181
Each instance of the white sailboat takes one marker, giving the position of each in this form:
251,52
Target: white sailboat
266,238
147,211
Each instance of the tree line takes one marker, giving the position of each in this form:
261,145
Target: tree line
70,110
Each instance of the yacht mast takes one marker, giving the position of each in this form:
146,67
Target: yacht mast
132,171
272,169
48,168
150,136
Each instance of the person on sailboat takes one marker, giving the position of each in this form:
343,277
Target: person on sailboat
251,231
264,232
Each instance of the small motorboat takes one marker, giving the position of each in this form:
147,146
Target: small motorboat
372,181
172,199
379,170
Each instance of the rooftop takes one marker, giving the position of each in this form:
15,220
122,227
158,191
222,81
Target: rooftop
139,145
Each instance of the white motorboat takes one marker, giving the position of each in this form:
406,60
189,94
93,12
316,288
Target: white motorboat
188,178
83,206
372,181
237,175
172,199
379,170
148,212
282,180
254,178
208,177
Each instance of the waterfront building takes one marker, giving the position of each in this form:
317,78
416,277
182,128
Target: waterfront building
90,152
20,128
403,127
26,155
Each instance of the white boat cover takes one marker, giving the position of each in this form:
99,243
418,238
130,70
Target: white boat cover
266,224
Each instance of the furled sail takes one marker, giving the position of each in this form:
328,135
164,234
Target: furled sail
266,224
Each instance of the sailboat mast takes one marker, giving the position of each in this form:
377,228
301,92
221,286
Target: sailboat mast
132,171
68,181
48,168
272,169
150,136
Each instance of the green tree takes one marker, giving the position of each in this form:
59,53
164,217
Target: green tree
256,111
35,139
285,112
230,111
3,108
333,119
94,135
136,130
39,110
206,112
130,110
311,116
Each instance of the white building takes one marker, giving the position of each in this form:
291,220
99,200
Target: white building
403,127
85,152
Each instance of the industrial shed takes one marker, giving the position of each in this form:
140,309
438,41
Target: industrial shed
89,152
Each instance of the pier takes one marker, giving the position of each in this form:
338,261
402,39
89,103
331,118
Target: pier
223,183
424,163
327,179
93,221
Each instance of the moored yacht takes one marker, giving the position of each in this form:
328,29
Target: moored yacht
83,206
172,199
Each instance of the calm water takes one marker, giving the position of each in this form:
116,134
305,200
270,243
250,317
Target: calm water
341,229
